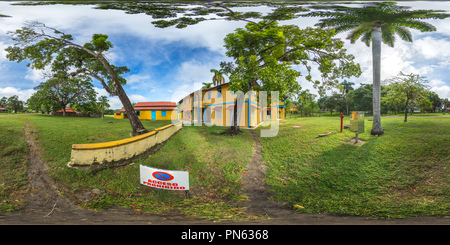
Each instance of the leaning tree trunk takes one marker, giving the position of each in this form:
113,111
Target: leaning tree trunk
136,124
376,60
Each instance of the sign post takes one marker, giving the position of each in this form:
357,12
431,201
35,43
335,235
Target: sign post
357,123
164,179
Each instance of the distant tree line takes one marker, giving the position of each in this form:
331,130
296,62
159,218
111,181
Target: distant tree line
12,104
405,93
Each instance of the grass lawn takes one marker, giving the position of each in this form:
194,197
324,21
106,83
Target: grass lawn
404,172
13,161
215,163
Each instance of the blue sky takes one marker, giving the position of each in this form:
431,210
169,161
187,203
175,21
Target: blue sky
167,64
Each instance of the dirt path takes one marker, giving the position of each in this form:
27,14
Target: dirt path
256,188
46,206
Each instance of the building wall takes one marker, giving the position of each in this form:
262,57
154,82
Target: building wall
119,116
147,114
216,108
186,108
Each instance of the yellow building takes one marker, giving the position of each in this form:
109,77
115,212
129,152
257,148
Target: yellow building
152,111
216,106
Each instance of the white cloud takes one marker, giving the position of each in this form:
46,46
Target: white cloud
35,76
432,48
137,78
23,95
440,88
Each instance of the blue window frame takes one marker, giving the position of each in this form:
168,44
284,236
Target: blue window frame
209,95
138,113
219,92
163,113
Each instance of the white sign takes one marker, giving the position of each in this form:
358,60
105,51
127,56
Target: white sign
164,179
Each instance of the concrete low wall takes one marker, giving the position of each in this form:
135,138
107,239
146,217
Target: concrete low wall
97,156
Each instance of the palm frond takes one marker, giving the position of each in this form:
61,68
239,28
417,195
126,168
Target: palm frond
392,18
356,34
403,33
387,34
344,28
415,24
367,37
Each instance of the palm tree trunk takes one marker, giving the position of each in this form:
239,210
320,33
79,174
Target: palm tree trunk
376,60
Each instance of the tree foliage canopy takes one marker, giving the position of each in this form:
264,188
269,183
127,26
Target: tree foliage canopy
63,90
265,54
391,18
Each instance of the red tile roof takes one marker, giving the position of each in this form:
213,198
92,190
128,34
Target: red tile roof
67,110
161,105
119,111
157,108
157,104
1,108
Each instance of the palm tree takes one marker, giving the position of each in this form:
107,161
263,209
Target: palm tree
103,104
377,22
206,85
346,87
218,76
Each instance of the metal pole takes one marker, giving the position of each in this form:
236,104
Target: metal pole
356,139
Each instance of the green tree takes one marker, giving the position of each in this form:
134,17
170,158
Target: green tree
408,88
3,101
67,90
103,104
14,104
435,100
346,87
218,76
445,103
39,101
377,22
321,102
206,85
45,46
310,107
426,105
304,101
329,103
390,101
362,98
265,52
